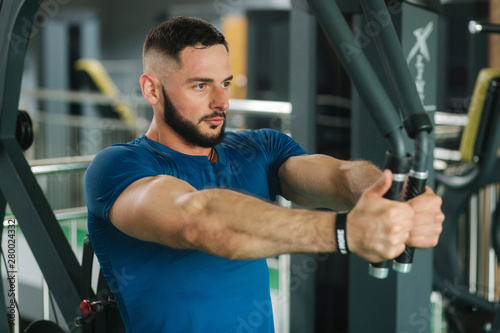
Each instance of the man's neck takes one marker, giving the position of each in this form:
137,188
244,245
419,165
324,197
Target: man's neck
171,139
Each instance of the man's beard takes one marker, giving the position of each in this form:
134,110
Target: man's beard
188,130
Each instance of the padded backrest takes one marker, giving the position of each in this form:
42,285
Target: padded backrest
481,110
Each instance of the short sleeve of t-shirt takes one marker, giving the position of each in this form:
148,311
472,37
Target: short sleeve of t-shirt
278,148
111,172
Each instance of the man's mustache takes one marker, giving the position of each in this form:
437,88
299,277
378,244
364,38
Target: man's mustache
214,115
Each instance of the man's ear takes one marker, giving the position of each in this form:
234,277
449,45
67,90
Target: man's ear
150,88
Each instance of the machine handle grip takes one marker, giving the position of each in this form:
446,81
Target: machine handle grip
416,186
379,270
398,166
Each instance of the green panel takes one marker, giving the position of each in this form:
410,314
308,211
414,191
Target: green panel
274,278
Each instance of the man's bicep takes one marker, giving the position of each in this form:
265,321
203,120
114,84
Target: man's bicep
148,209
295,180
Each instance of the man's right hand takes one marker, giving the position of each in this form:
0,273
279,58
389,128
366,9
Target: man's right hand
378,228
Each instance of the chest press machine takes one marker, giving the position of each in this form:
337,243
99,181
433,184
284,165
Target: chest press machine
19,188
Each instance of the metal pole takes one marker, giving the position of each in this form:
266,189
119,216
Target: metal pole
303,129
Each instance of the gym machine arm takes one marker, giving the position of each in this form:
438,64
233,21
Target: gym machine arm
417,123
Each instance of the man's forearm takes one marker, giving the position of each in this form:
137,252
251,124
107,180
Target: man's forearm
360,175
320,181
236,226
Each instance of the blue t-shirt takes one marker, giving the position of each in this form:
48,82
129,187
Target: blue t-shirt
161,289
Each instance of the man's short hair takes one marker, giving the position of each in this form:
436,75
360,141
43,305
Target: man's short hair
174,35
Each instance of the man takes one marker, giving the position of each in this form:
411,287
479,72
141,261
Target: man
182,217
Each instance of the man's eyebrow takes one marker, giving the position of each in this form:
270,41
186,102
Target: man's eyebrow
199,79
207,80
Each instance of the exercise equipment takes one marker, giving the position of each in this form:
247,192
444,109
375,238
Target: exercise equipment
36,219
18,185
43,326
416,121
99,312
391,304
99,77
479,148
24,130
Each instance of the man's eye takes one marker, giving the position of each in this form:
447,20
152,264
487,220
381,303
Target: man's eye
200,86
226,84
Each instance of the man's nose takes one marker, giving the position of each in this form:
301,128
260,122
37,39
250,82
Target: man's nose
220,99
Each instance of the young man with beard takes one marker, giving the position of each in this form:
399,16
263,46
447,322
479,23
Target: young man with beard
182,218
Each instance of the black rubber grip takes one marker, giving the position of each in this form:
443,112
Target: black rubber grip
416,123
396,190
399,165
378,270
415,187
405,258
